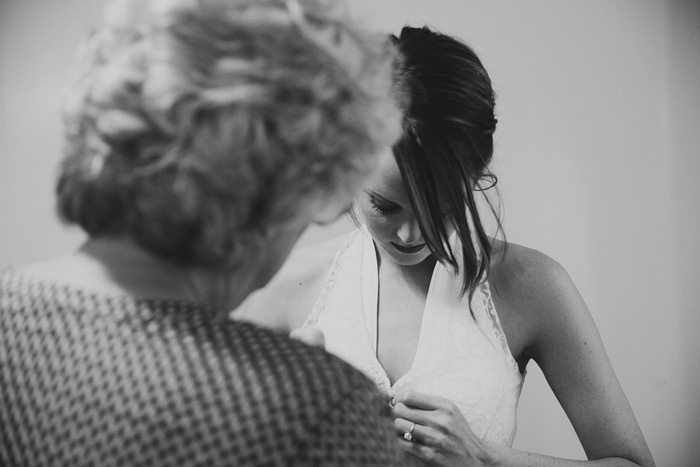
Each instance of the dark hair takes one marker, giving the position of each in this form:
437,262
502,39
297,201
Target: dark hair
447,146
195,128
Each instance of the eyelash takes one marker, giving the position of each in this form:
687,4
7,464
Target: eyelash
379,209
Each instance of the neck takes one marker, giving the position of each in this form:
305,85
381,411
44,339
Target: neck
120,265
418,274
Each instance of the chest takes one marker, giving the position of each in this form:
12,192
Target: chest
400,311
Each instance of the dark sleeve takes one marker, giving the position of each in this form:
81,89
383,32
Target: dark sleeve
357,430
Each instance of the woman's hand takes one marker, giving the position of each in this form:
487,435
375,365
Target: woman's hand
433,429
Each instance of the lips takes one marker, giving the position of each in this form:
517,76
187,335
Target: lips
408,249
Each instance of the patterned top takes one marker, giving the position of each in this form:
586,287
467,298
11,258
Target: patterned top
461,355
89,379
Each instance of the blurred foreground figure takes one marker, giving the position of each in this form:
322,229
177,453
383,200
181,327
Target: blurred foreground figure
202,138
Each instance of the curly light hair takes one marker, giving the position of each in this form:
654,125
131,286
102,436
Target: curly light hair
196,125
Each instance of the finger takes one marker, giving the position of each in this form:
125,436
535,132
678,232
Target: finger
425,453
389,400
436,427
418,433
421,400
403,426
420,416
422,434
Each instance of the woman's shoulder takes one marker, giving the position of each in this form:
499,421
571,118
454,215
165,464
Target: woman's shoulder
285,302
534,290
524,271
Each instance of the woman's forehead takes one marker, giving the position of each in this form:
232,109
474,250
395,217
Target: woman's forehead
387,180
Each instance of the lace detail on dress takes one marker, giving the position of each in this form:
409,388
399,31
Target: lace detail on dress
462,357
485,301
331,280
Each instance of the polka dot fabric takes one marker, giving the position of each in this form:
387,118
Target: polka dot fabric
87,379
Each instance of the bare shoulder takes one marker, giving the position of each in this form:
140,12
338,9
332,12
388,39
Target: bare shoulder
551,324
285,302
527,275
535,294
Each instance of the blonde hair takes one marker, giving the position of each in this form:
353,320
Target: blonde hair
194,126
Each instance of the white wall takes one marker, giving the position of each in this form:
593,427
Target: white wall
597,154
38,40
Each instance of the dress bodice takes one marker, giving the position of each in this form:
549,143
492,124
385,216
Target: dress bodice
461,355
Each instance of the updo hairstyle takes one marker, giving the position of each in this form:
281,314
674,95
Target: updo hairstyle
447,145
194,126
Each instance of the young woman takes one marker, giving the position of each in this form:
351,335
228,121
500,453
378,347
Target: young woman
438,314
202,138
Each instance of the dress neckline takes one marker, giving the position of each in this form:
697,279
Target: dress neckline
370,304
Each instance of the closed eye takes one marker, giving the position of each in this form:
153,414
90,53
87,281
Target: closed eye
383,206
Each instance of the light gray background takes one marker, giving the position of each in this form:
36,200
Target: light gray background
597,153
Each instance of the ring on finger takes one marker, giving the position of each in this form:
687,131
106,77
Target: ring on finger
408,436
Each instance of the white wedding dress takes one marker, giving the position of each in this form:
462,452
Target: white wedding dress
461,357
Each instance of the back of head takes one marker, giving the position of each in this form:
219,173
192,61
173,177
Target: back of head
194,126
447,143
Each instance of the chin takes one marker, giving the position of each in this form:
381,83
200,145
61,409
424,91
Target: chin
409,262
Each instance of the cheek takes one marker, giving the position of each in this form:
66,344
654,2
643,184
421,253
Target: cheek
379,226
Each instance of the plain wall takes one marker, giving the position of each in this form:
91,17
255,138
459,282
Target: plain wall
597,154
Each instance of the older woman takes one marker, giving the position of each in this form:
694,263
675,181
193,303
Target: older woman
203,137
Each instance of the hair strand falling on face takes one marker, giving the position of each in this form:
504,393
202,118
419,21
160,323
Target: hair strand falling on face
447,146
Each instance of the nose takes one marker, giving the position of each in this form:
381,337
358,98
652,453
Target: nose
409,231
